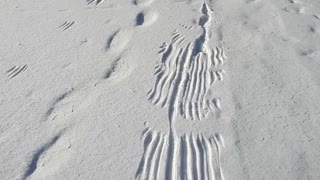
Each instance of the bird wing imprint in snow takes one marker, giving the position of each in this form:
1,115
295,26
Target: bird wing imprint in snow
186,72
184,76
194,157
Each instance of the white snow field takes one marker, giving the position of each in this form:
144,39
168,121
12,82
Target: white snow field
160,89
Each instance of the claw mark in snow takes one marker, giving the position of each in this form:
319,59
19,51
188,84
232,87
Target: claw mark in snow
96,1
16,70
66,25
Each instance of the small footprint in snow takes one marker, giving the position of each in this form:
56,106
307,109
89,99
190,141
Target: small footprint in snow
119,69
45,160
142,2
146,18
302,7
119,40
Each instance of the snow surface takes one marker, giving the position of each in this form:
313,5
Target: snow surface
160,89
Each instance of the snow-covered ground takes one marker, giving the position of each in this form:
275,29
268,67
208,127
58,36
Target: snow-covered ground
160,89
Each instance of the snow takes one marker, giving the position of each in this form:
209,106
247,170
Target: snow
151,89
